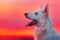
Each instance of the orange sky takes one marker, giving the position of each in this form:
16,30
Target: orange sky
13,21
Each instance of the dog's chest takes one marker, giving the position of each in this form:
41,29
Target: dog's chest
37,31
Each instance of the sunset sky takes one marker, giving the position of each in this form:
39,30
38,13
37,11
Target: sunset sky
13,21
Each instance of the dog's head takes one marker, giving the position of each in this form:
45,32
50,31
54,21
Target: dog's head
38,16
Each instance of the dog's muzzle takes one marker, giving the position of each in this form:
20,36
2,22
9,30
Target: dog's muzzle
33,22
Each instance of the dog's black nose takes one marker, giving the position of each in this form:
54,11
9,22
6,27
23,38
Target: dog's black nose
26,14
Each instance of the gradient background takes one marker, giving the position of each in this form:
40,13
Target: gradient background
13,21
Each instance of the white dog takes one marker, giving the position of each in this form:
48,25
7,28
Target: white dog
40,18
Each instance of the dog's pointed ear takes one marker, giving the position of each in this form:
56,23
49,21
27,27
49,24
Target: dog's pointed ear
41,7
46,10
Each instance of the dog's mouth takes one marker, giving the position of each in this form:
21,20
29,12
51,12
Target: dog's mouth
33,22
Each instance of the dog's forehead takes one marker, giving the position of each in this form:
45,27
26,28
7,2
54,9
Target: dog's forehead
39,11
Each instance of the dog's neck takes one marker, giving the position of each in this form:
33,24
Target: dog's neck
49,29
42,22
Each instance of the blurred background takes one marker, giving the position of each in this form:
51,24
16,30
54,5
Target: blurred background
13,21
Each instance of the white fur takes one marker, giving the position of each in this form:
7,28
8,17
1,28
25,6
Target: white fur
44,29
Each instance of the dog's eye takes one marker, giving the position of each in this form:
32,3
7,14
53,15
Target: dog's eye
36,13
